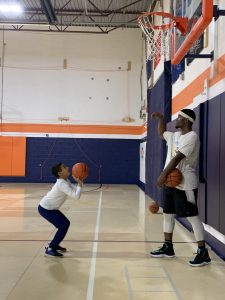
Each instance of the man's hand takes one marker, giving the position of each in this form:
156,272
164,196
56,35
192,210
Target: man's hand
161,180
161,124
156,115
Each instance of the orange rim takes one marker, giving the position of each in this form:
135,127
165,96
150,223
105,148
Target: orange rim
158,13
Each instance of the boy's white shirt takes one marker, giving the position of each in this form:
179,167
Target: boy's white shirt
58,194
189,145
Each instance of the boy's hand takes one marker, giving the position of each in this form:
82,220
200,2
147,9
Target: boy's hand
79,182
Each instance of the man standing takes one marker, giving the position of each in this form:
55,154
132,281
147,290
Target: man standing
182,153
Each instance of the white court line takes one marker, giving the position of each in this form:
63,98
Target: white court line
173,285
130,294
91,279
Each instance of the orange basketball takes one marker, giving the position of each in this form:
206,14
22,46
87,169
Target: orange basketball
174,178
153,207
80,170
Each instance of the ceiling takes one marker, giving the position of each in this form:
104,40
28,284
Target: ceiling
103,16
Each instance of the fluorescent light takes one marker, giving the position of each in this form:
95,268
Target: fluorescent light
11,8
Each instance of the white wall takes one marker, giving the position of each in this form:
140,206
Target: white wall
38,90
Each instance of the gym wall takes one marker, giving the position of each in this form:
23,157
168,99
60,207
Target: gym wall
61,88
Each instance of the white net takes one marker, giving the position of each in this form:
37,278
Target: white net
196,46
158,32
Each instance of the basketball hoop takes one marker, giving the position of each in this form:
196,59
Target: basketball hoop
157,28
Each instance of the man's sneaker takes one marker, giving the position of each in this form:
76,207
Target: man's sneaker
164,251
202,258
51,252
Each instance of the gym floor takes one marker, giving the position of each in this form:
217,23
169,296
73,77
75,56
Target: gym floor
108,244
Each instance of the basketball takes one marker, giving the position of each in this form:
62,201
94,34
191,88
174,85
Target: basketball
153,207
174,178
80,170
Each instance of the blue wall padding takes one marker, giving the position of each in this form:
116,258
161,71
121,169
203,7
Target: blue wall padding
159,99
109,160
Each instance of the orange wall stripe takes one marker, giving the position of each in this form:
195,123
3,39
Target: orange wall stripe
19,156
186,96
143,129
79,129
220,71
12,156
5,156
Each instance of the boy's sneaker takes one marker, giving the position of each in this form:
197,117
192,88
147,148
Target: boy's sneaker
201,259
164,251
51,252
60,248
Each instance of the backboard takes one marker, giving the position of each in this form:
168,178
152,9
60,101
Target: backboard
199,14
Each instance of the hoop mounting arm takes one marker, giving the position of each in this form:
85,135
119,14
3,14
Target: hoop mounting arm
181,23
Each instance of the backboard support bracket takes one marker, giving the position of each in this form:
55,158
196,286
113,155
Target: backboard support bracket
211,56
218,12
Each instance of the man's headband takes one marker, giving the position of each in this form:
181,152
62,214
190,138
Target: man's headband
186,116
